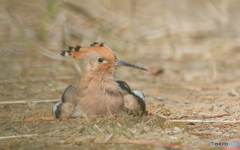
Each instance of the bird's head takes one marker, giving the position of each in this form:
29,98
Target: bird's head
97,57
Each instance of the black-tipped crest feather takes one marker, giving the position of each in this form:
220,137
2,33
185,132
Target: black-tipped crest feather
77,48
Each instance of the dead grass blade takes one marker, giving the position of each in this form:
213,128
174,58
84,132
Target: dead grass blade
55,119
177,118
24,101
17,136
204,121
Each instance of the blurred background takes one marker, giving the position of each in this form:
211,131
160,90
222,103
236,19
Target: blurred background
192,49
192,43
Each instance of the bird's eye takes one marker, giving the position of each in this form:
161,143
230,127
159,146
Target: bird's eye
100,60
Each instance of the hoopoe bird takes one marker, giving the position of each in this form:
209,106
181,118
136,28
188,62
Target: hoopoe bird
99,92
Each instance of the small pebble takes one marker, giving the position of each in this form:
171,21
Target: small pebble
176,129
233,92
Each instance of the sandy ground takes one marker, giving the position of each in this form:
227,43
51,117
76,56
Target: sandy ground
192,101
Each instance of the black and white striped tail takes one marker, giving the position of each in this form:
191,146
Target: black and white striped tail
57,110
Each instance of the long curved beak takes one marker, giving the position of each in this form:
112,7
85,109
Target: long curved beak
123,63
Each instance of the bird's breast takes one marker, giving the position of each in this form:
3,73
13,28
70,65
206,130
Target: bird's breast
101,97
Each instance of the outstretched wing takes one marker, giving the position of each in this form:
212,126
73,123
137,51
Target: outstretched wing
134,101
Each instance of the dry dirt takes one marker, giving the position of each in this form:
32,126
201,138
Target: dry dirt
194,99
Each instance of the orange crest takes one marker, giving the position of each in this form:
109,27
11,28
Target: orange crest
78,51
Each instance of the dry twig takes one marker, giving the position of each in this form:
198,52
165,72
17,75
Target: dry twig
216,116
3,148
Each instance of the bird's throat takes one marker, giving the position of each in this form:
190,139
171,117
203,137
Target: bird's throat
93,80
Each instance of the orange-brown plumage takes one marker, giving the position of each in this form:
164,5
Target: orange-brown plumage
105,52
99,92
